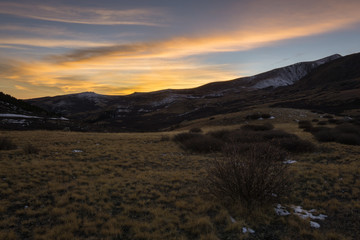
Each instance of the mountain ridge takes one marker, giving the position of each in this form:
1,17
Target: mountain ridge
165,109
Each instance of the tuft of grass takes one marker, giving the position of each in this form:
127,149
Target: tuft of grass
6,144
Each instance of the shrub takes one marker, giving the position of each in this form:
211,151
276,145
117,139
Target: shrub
348,138
348,128
324,135
328,116
164,138
304,124
277,134
315,120
322,123
220,134
334,121
265,115
240,136
30,149
295,145
257,127
181,137
253,116
251,177
202,144
345,133
195,130
6,144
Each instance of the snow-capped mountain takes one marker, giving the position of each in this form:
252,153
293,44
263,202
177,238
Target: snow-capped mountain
288,75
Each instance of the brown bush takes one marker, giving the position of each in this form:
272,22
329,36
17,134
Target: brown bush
251,177
6,144
181,137
30,149
295,145
253,116
202,144
345,133
306,125
348,138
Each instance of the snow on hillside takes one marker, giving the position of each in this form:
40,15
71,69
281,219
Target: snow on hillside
290,74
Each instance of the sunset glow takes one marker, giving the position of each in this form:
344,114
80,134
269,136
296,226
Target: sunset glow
50,48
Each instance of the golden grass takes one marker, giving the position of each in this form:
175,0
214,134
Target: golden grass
141,186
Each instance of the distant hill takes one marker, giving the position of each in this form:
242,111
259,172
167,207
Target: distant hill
333,87
9,104
16,114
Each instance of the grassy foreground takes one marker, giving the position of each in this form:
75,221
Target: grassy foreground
142,186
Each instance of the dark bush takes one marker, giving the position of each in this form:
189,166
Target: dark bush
315,120
195,130
6,144
334,121
30,149
277,134
328,116
322,123
220,134
324,135
258,127
240,136
253,116
348,128
202,144
345,133
306,125
251,177
265,115
181,137
295,145
348,138
164,138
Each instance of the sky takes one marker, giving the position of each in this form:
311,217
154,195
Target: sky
118,47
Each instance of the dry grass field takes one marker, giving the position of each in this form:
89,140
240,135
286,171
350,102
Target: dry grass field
144,186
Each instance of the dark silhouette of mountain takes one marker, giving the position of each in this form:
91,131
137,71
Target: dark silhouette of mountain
329,84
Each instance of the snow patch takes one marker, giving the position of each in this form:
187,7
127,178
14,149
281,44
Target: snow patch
10,115
281,211
314,224
77,151
289,161
248,230
302,213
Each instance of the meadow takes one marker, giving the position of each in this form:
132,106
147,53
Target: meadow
72,185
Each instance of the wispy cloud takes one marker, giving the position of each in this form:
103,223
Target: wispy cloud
85,15
166,63
50,42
